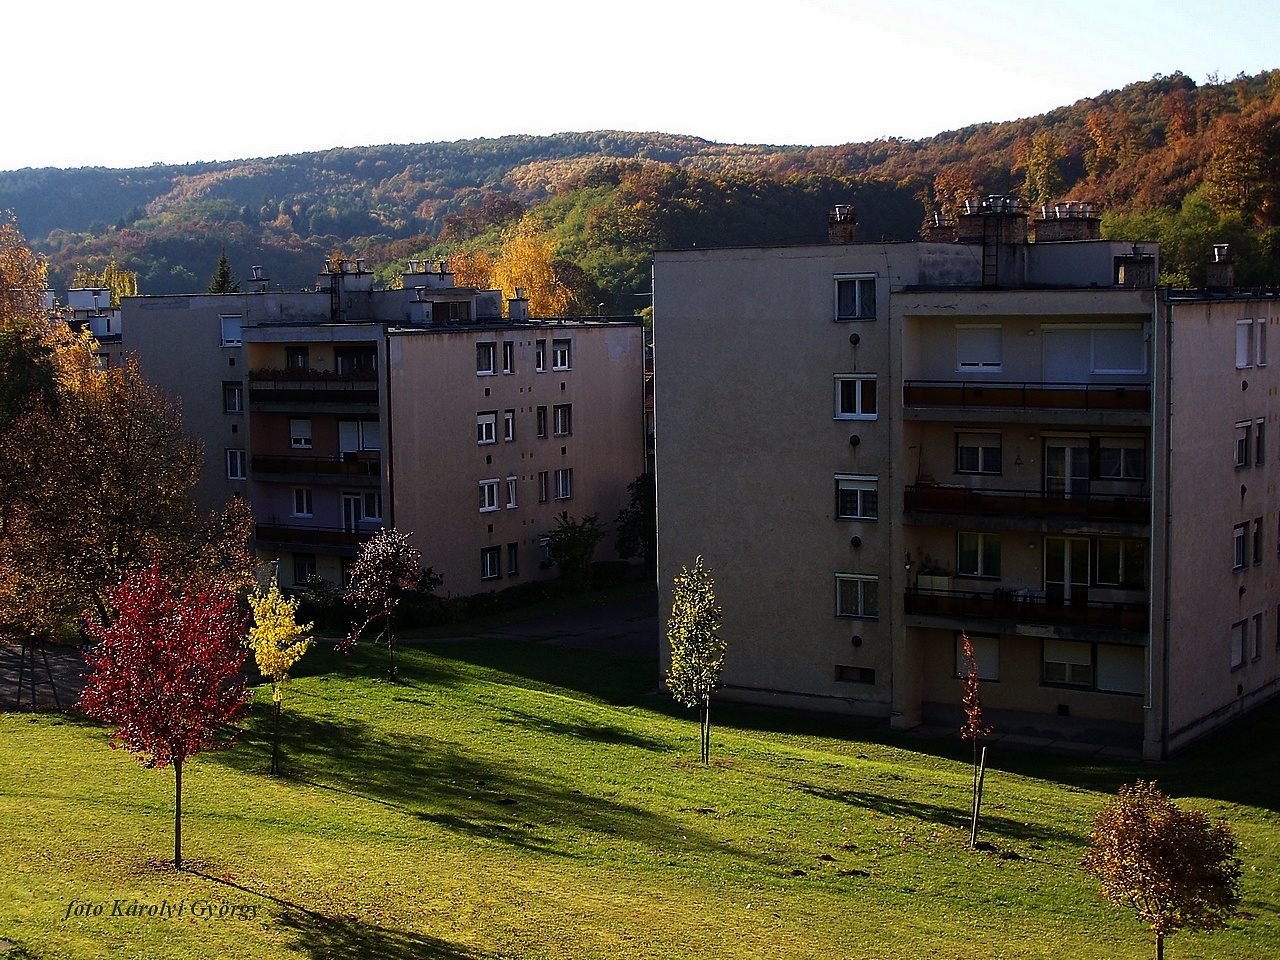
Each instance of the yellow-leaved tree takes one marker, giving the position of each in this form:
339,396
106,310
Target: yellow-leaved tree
120,282
278,642
527,262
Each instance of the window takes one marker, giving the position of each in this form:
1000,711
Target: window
540,356
304,568
978,453
564,484
857,596
1259,442
542,421
1238,631
1120,669
235,465
562,417
297,358
1257,541
490,563
1244,344
300,434
488,495
544,486
1075,352
1255,642
370,438
230,329
451,311
857,498
986,651
485,359
1239,549
855,675
855,397
511,493
509,425
855,298
508,356
1121,563
1260,341
544,552
978,554
352,360
561,354
302,502
232,398
513,559
1244,443
486,424
978,348
1121,460
1067,663
373,505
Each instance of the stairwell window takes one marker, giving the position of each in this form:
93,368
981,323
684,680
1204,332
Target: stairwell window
855,397
561,354
1244,443
857,596
486,427
856,298
564,484
562,417
489,495
490,563
1244,344
232,398
235,465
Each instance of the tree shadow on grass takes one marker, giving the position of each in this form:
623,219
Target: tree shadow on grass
606,733
349,938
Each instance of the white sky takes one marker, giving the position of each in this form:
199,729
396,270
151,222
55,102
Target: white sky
142,81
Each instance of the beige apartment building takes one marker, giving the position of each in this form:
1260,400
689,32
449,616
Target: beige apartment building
1005,430
345,409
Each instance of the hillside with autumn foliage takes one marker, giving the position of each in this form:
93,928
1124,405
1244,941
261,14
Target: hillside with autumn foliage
580,214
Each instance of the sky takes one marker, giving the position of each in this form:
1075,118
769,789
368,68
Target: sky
138,82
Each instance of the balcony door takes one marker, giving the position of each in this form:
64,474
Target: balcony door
348,440
352,512
1066,468
1066,570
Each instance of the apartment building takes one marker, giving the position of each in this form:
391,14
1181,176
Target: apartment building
344,409
1004,430
90,308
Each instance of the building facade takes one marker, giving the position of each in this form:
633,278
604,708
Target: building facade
880,446
342,410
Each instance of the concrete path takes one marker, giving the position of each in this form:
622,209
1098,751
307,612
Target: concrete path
64,664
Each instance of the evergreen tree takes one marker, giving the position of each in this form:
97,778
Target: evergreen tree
223,280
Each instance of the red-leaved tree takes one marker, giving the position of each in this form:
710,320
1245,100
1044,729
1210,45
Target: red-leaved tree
974,729
166,671
387,569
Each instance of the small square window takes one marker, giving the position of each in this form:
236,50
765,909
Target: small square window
857,498
236,465
857,596
490,563
986,651
373,505
855,298
1067,663
485,359
1120,460
855,397
1121,563
561,354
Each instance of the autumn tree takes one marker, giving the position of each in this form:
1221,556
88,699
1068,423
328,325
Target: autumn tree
165,671
223,281
973,729
697,649
278,642
526,261
116,280
1171,866
572,547
387,570
1040,159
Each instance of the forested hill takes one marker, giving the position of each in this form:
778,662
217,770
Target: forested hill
1167,160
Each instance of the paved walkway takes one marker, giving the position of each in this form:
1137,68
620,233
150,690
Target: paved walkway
64,665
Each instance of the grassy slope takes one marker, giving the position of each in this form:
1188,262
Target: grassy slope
513,800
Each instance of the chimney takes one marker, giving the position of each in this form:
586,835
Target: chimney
1220,273
518,306
841,226
1136,269
260,281
937,230
1069,220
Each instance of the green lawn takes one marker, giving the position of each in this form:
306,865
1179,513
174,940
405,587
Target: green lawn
513,800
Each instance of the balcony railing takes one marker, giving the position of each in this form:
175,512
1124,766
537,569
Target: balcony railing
1028,607
1026,395
329,466
957,501
265,389
290,534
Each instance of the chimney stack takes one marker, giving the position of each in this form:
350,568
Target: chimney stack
937,230
1220,273
1069,220
841,226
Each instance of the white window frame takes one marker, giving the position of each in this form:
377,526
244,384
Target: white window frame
300,437
491,563
1238,641
1255,642
303,502
564,483
541,422
513,559
236,465
508,426
864,592
977,354
859,400
486,427
371,505
1260,342
508,356
1125,459
1075,660
540,356
511,492
1259,442
544,486
982,541
1126,578
486,358
231,329
1243,444
858,486
1240,546
864,307
370,435
1244,344
489,495
233,398
982,443
562,354
562,419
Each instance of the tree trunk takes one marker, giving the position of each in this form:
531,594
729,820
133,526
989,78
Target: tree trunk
980,774
706,731
275,741
391,642
177,815
1159,946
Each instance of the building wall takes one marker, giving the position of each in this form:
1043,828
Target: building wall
436,464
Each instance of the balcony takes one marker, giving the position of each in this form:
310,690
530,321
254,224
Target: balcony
1029,607
1026,505
309,388
313,539
1027,395
343,469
